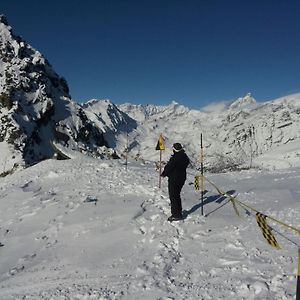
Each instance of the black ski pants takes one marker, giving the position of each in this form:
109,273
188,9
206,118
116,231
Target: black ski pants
174,195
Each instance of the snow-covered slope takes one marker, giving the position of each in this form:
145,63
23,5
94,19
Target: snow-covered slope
89,229
263,129
35,106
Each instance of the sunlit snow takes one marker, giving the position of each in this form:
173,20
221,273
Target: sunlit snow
90,229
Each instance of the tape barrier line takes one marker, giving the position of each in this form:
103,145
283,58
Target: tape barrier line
234,207
231,198
196,183
251,208
266,230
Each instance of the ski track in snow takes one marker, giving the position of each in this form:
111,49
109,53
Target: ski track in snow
88,229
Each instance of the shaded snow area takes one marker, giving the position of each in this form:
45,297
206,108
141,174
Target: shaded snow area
87,229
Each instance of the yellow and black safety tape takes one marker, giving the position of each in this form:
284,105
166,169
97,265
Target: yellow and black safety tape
266,230
231,198
196,183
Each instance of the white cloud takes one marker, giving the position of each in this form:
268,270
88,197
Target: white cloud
216,106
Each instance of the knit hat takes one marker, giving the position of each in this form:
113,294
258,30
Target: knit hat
177,147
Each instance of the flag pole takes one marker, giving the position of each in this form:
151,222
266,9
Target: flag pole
160,159
160,146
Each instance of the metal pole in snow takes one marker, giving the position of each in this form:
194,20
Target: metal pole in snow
160,159
202,179
298,277
126,155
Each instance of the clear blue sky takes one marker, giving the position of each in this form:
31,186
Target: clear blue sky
194,52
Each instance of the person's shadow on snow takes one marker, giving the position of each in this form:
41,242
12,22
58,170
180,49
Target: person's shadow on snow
214,198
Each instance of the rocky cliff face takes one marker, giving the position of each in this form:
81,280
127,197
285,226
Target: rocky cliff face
35,106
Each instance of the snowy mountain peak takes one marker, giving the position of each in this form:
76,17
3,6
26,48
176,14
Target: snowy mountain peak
7,39
35,106
106,115
149,111
246,102
3,25
97,102
5,29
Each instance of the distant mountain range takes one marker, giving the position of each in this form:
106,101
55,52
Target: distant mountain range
244,133
36,109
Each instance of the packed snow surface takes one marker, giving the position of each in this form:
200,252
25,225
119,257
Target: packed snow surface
87,229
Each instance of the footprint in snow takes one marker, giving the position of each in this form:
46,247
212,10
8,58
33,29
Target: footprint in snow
26,258
16,270
228,262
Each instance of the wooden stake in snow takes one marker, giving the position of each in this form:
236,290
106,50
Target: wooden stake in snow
160,146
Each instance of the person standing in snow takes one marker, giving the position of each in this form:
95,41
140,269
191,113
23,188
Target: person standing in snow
175,170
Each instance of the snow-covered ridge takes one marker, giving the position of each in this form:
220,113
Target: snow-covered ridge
6,35
145,112
247,102
106,115
293,99
35,106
